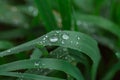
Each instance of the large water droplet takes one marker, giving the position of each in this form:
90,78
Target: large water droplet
65,36
53,39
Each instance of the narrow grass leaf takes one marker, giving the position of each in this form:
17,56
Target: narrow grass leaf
43,63
65,11
28,76
101,22
46,14
36,54
70,39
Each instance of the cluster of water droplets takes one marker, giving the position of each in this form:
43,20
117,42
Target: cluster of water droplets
38,64
57,37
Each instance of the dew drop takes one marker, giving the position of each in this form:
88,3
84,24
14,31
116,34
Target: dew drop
8,50
63,42
53,39
46,36
58,32
36,64
78,38
77,43
65,36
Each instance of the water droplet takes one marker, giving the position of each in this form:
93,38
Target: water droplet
65,36
78,38
8,50
53,39
63,42
64,49
36,64
46,36
77,43
71,41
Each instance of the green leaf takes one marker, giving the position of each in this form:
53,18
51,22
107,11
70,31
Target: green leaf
36,54
65,11
43,63
100,22
86,5
28,76
70,39
46,14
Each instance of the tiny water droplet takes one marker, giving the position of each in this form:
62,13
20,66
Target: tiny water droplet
36,64
78,38
57,31
53,39
46,36
63,42
8,50
71,41
77,43
65,36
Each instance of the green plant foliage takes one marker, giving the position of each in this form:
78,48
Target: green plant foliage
46,14
59,39
80,42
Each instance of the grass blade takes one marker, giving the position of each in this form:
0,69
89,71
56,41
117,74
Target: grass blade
70,39
28,76
101,22
43,63
36,54
65,11
46,14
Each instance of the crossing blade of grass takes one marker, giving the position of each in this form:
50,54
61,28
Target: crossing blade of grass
110,74
43,63
28,76
46,14
36,54
101,22
65,11
70,39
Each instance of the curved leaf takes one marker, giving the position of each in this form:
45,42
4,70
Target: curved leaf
43,63
69,39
